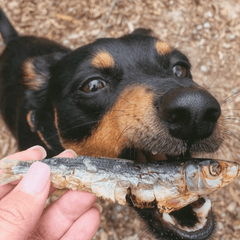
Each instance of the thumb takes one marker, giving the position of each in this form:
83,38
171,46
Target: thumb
21,209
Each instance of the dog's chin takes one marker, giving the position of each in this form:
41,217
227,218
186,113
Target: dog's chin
194,221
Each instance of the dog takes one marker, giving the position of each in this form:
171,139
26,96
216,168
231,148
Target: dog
131,97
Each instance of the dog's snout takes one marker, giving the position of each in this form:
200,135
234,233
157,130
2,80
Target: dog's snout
190,114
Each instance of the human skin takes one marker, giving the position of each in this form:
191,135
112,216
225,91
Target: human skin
22,216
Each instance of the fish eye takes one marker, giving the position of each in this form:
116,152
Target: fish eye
179,71
93,86
215,169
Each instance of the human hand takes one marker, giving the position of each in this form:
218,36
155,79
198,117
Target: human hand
22,215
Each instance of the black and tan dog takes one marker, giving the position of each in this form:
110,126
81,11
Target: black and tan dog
132,97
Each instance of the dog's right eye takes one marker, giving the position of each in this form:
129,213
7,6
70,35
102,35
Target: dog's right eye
93,86
179,71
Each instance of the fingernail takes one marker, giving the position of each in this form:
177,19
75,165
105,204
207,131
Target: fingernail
36,178
68,153
100,208
39,148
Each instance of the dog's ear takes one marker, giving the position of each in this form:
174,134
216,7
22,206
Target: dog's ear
36,75
143,31
37,71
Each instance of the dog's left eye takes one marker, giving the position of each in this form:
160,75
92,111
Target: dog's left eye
179,71
93,86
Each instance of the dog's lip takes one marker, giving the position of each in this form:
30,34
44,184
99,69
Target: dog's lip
200,231
146,156
201,234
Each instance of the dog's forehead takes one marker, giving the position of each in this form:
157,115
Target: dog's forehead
126,51
134,56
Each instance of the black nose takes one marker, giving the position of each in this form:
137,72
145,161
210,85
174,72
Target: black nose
190,113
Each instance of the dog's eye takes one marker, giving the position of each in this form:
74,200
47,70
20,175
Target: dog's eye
93,86
179,71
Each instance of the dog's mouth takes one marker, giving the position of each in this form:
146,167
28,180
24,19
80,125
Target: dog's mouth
194,221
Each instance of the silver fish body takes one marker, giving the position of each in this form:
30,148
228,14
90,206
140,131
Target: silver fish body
167,185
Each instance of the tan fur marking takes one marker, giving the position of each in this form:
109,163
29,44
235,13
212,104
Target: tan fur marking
38,132
103,59
29,120
31,79
162,48
43,139
117,129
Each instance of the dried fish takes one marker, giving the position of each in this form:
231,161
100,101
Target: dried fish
167,185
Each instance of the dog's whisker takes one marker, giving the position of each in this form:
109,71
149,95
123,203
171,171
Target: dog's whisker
229,98
231,134
121,134
210,86
229,149
226,145
214,87
71,128
231,118
232,124
79,125
84,124
229,109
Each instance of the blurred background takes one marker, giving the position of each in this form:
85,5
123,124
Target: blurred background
208,32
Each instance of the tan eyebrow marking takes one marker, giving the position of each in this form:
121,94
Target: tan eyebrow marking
103,59
162,48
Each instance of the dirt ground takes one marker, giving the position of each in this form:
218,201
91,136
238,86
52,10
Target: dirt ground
208,32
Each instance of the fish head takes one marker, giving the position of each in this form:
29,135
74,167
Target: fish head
202,177
209,175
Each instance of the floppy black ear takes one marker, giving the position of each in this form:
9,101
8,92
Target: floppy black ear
38,110
36,75
143,31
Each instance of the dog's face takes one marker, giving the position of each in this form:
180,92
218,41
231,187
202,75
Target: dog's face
134,98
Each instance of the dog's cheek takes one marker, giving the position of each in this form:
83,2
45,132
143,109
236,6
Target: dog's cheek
97,142
127,124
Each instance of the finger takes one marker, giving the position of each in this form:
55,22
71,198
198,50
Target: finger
21,209
4,190
85,227
33,153
68,153
60,216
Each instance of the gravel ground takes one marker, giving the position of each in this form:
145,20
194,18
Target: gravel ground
207,31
